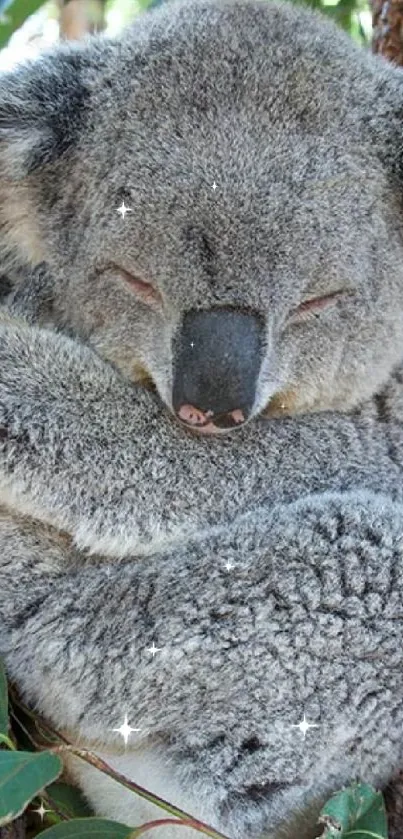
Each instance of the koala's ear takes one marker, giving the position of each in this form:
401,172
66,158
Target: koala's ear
44,107
382,117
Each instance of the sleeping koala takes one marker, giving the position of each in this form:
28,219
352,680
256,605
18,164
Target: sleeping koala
258,270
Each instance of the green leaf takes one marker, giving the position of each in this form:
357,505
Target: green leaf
3,700
357,812
14,16
22,776
68,800
82,828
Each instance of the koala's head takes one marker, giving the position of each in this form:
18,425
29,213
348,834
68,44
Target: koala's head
218,194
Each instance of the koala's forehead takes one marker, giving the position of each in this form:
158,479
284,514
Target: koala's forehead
228,186
177,74
200,59
241,94
193,61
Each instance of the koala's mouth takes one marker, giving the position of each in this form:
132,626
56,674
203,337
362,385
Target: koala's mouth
209,423
193,418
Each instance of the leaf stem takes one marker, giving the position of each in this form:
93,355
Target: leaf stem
85,754
158,822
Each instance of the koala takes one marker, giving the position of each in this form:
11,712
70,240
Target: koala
201,405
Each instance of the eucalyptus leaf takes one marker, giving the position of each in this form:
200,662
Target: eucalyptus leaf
68,800
356,812
83,828
22,776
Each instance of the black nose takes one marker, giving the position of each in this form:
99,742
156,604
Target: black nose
217,358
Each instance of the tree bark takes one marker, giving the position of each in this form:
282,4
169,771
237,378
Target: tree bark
387,23
81,17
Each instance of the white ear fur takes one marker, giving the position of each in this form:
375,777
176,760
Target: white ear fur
39,118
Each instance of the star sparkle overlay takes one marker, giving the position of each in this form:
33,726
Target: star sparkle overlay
304,726
126,730
123,210
41,811
154,650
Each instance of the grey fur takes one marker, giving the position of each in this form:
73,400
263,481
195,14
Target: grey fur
309,619
116,522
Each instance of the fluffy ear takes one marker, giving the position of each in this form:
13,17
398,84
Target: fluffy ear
44,106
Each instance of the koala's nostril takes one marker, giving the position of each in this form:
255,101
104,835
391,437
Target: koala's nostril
195,417
231,418
192,415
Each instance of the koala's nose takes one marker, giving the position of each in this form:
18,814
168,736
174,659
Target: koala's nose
217,359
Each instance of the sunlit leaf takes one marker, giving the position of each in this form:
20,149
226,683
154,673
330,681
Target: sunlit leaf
357,812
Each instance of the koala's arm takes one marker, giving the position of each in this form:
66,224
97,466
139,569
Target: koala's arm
85,451
80,448
307,620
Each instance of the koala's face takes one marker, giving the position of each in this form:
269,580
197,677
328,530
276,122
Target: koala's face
218,196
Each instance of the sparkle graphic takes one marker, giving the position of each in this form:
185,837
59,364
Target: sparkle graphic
153,650
123,209
192,344
229,565
125,730
304,726
41,811
214,187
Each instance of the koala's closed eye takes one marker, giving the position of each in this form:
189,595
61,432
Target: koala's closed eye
314,306
143,290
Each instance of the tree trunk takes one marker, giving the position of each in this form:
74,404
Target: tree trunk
387,22
81,17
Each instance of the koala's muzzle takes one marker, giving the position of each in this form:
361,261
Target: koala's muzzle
217,358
